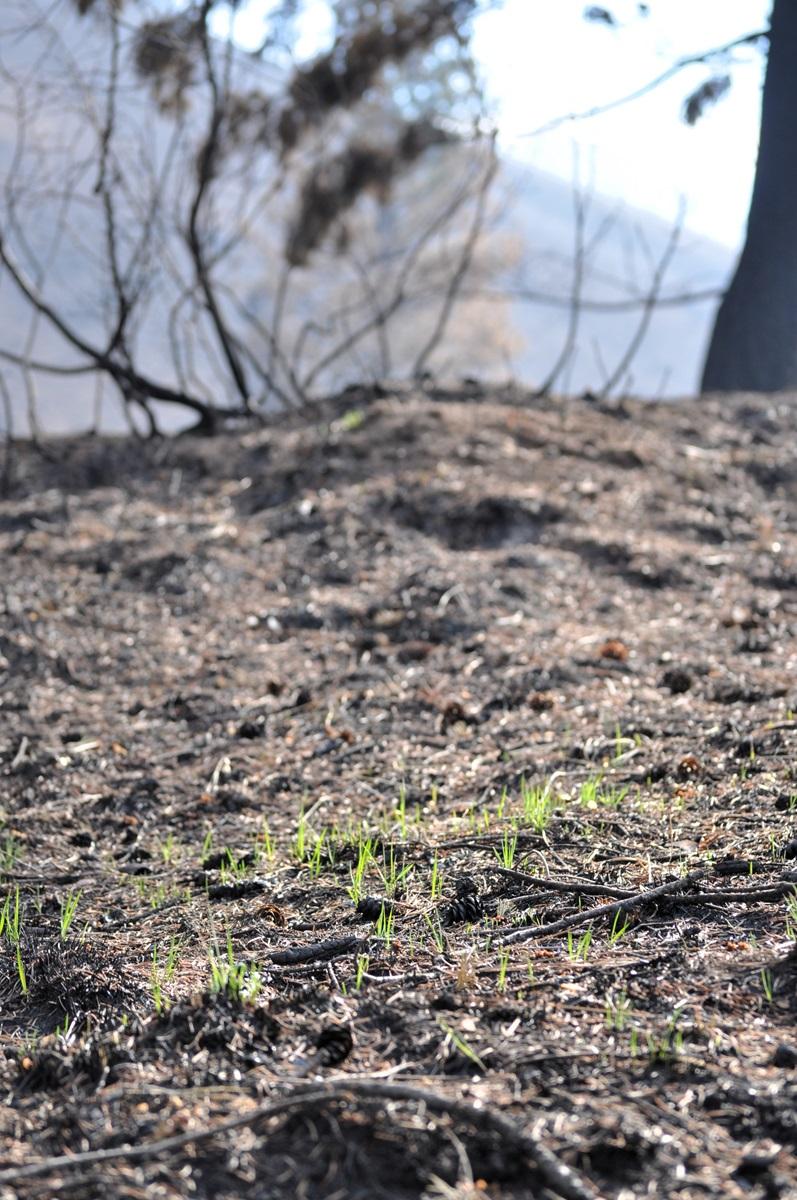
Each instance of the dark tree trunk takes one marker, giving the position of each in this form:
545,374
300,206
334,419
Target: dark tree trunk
754,343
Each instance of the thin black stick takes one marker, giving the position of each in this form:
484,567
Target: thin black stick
564,885
318,951
603,910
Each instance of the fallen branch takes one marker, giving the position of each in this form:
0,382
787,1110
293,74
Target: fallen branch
604,910
318,951
564,885
741,895
774,891
564,1181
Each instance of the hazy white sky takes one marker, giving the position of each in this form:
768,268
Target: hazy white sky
542,61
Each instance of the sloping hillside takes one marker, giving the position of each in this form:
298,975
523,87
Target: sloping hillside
404,804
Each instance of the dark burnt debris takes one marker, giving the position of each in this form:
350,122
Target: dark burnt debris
407,808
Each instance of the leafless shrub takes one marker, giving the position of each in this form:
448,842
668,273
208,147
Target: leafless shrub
330,190
186,223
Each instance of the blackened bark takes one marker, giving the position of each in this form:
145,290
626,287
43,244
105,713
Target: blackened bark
754,343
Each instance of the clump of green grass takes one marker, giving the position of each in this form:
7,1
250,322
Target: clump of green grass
9,853
156,893
393,873
363,962
241,981
767,984
617,1011
235,869
163,974
593,793
436,932
436,880
538,803
503,967
365,855
301,839
791,916
507,849
460,1043
578,951
668,1047
11,927
169,850
384,926
68,910
265,847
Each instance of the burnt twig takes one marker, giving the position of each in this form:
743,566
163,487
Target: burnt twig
318,951
604,910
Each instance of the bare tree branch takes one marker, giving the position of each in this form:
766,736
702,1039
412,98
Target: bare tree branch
688,60
529,295
400,290
463,266
8,437
580,205
103,361
205,169
650,304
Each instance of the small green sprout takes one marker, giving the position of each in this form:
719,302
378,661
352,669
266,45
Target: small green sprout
393,875
362,969
507,850
156,986
240,981
578,951
168,849
538,803
767,984
264,847
350,421
68,910
364,857
314,862
791,916
619,931
462,1046
384,925
436,931
23,981
436,882
300,839
503,967
617,1011
9,853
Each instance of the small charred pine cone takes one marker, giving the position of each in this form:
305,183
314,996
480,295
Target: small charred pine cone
464,908
333,1044
370,908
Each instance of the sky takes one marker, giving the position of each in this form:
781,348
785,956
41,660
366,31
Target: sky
541,61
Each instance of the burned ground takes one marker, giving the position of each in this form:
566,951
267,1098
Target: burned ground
319,747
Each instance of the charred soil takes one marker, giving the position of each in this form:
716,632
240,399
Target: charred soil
404,803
